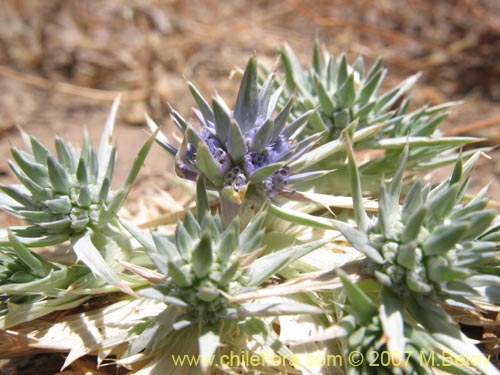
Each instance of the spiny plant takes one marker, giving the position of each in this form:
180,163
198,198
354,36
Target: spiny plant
340,94
244,152
435,245
196,272
269,258
67,195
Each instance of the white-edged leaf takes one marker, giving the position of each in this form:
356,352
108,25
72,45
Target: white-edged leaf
88,254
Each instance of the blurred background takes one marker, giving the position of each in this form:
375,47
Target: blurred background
62,62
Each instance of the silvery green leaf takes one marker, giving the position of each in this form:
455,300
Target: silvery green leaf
363,307
414,224
282,117
81,172
407,256
397,180
301,218
327,104
202,257
222,119
202,103
20,313
360,241
439,273
246,108
192,136
33,236
290,129
372,83
264,172
179,121
388,99
84,198
164,247
263,136
202,202
228,241
228,273
330,148
444,237
60,205
478,223
93,166
441,204
357,194
266,266
17,193
33,169
343,72
251,237
346,94
185,243
208,166
177,275
40,152
161,138
293,70
307,176
37,266
191,224
65,154
106,143
364,111
413,201
342,119
236,145
34,216
58,225
316,63
58,176
138,162
472,207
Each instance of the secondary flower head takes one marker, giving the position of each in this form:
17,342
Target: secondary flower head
247,149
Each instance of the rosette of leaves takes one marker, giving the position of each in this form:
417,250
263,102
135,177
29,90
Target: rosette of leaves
343,95
67,196
436,248
244,151
434,244
31,287
377,340
63,196
198,272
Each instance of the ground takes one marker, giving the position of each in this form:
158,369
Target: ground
63,62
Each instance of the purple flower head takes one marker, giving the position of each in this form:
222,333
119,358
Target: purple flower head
253,162
235,177
184,171
222,158
277,149
276,183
